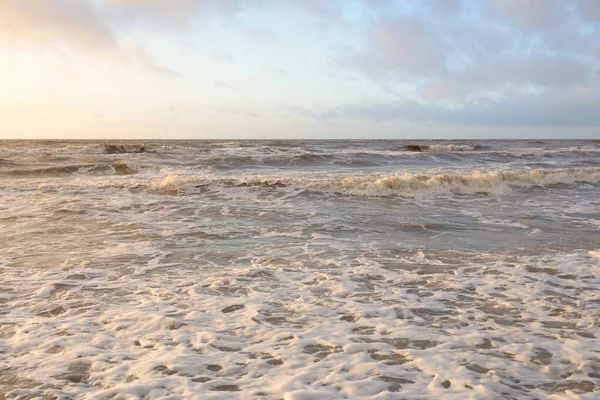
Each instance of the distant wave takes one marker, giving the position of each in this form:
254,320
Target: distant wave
118,168
568,151
440,148
407,185
123,149
54,153
231,155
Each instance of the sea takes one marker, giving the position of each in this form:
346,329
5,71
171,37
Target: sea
299,270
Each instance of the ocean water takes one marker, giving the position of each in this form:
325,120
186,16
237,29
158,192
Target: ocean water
300,270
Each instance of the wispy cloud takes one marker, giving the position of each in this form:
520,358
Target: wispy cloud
78,24
85,27
261,35
223,85
576,110
398,47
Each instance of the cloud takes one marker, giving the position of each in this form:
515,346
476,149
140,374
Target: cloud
222,57
182,110
223,85
261,35
590,9
532,14
98,28
542,111
160,9
138,55
553,26
50,22
398,47
444,6
458,61
480,62
509,77
170,12
85,27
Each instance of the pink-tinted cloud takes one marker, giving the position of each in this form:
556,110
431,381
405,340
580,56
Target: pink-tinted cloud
590,9
77,23
398,47
170,11
81,25
532,14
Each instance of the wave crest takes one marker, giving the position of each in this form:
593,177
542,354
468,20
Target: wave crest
449,148
405,185
494,182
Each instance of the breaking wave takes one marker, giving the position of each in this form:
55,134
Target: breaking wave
406,185
495,182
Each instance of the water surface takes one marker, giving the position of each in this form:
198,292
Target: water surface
299,269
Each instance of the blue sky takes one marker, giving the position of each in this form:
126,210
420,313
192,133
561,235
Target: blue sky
299,68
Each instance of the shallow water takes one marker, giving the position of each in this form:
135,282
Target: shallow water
299,269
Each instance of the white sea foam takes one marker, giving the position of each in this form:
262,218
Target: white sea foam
302,333
447,148
168,182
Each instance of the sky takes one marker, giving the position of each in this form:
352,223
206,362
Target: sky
197,69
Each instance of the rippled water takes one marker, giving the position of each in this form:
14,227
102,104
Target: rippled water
299,269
